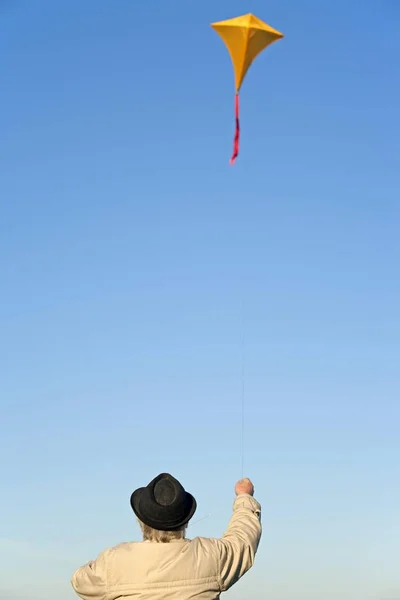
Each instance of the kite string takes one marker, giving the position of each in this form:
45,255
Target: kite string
243,388
198,520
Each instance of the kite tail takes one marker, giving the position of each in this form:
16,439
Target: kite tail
237,132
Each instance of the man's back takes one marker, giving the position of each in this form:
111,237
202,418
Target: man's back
179,569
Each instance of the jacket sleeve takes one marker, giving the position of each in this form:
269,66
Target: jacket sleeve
238,546
90,581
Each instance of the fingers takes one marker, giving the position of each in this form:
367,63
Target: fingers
244,486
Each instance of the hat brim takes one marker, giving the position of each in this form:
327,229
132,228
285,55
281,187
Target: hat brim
138,499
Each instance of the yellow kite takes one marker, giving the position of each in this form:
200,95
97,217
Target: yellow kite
245,37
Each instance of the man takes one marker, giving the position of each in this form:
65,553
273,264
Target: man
166,565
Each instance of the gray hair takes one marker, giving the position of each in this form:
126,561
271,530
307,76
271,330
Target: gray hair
161,537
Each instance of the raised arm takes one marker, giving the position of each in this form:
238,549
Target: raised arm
238,546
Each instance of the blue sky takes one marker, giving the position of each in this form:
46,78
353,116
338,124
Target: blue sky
128,246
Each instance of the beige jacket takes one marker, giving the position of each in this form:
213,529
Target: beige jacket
201,568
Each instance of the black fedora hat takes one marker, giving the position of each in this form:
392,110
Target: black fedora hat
163,504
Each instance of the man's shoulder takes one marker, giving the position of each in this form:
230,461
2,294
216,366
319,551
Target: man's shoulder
125,547
204,542
120,548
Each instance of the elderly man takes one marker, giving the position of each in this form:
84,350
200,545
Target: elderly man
167,565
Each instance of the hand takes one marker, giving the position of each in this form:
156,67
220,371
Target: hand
244,486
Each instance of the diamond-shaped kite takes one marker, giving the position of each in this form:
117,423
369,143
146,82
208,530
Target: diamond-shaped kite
245,37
